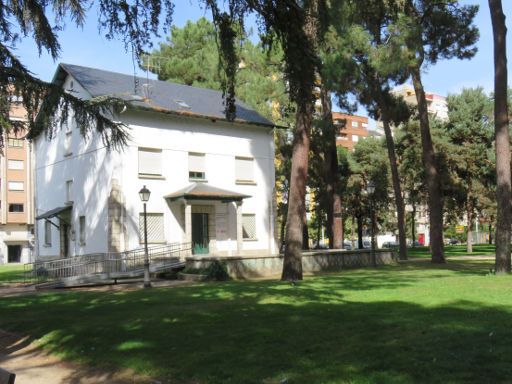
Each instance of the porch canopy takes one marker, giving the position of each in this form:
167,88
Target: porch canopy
201,191
53,212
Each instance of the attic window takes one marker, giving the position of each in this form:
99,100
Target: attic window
182,104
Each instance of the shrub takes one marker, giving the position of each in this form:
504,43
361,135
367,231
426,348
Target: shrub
217,271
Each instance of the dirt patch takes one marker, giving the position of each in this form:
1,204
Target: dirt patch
31,364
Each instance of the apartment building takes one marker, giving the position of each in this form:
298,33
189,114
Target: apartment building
436,104
350,129
16,192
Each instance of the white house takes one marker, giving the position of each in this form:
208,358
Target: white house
211,181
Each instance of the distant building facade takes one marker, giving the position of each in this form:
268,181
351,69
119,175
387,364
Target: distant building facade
16,192
436,104
349,129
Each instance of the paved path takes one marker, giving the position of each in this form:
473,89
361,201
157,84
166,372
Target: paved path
32,365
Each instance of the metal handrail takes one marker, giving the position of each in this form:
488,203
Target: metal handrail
110,262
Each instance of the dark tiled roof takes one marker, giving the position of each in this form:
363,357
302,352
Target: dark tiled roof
158,95
201,191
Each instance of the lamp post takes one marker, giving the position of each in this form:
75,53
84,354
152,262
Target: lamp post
370,188
144,194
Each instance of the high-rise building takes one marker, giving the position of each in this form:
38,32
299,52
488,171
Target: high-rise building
349,129
436,104
16,192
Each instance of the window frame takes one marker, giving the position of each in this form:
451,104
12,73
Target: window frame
69,191
238,180
150,174
15,161
141,228
14,189
255,235
11,141
47,233
17,204
200,173
81,229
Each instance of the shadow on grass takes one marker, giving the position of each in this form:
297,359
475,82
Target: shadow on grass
329,329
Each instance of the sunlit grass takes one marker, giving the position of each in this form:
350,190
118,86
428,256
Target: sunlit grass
412,323
455,250
11,273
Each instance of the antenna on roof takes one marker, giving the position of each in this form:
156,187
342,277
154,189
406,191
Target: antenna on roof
149,64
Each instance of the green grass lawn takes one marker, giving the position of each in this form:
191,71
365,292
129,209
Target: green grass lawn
411,323
454,251
11,273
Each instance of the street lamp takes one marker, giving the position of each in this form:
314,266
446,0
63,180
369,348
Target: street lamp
370,189
144,194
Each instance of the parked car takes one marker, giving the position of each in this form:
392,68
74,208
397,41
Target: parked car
453,241
390,244
347,245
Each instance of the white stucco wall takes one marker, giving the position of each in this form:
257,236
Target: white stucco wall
92,168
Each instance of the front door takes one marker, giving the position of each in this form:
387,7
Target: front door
13,253
200,238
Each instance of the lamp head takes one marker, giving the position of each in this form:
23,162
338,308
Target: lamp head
144,194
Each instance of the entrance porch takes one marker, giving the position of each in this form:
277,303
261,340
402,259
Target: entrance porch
210,219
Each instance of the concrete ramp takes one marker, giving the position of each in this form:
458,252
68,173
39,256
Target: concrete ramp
104,268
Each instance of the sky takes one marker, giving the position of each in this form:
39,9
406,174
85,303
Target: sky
85,46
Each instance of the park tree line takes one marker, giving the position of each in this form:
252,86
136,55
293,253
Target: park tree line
315,48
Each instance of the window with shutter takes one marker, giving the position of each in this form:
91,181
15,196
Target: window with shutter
196,166
69,191
150,162
15,185
15,164
244,170
47,233
81,224
156,232
249,226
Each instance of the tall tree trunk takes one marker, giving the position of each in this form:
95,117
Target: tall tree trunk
490,230
334,209
359,231
305,232
353,239
413,227
503,193
292,263
469,213
399,200
435,201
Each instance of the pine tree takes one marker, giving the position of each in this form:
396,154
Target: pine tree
503,190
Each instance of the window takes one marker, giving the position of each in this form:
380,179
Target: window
355,138
15,185
81,229
155,227
69,191
342,136
15,208
244,169
47,233
67,143
365,125
249,226
150,162
13,142
196,166
355,124
15,164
